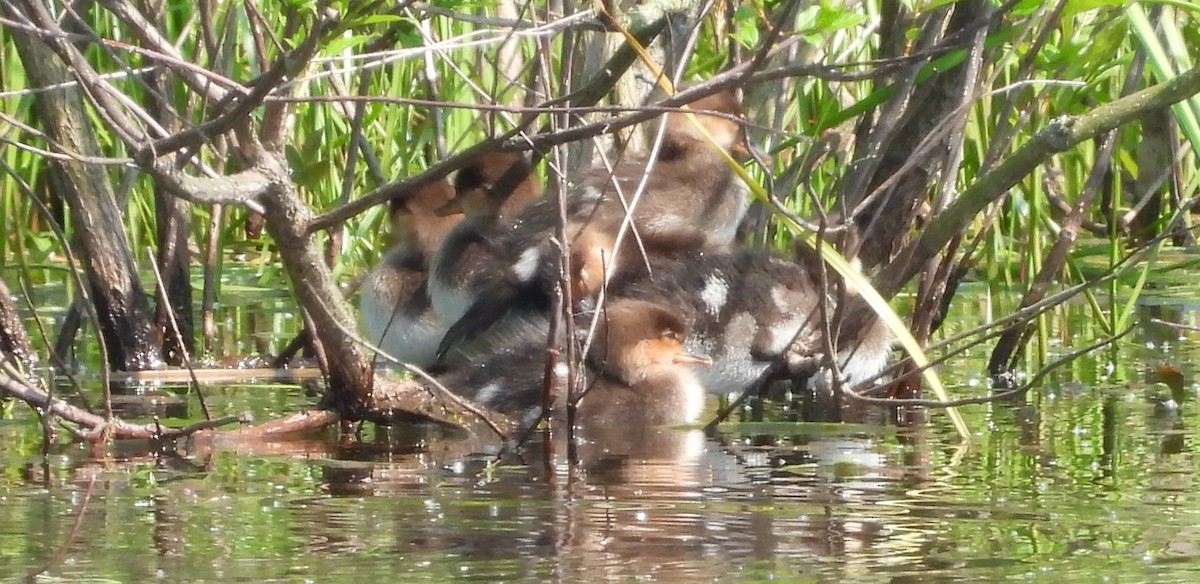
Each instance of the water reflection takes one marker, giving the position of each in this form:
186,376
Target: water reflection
693,515
1093,475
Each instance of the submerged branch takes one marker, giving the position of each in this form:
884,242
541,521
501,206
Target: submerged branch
97,425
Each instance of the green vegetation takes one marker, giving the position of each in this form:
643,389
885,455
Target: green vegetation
432,78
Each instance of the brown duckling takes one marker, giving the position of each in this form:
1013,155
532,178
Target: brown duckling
640,356
688,192
394,306
689,199
634,372
489,193
742,308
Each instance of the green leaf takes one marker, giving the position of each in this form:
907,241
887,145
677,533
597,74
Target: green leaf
342,43
1076,6
836,19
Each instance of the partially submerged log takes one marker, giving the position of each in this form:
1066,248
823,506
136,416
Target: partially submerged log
130,338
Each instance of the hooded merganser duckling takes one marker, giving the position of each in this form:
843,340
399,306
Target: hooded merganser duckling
689,196
395,308
690,199
489,192
638,351
634,372
742,308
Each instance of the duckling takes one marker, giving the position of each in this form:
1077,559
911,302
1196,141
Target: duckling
689,196
689,199
394,305
489,192
633,372
689,193
742,308
639,352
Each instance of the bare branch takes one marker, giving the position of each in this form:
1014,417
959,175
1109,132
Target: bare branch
98,425
148,35
243,188
103,96
286,67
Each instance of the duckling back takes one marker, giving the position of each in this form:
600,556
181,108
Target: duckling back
746,308
393,303
490,192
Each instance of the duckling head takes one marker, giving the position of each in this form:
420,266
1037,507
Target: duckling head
496,185
682,134
637,340
415,220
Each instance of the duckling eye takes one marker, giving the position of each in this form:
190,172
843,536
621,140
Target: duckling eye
670,335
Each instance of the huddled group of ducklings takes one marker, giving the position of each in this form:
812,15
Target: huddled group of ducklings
667,305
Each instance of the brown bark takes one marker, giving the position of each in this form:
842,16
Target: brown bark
900,138
1155,160
115,287
174,220
288,219
174,224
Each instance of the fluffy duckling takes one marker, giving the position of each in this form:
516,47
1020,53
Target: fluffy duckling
689,193
634,372
394,306
638,352
742,308
690,199
489,193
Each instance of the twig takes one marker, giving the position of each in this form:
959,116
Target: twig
515,141
285,67
582,20
199,79
1176,325
24,391
1037,377
170,310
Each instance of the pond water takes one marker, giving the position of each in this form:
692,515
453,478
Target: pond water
1091,477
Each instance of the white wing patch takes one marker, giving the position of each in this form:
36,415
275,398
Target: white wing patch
714,295
527,265
488,393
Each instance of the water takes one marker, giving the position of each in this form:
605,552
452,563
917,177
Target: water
1091,477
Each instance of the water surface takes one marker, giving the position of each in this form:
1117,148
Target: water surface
1091,477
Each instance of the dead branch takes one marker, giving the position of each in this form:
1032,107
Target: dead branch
297,423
